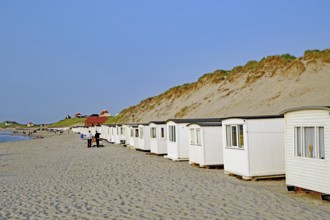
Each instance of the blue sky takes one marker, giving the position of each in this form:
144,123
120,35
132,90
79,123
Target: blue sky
66,56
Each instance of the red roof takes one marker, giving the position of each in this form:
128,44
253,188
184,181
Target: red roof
95,120
104,112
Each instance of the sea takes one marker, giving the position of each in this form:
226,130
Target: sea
9,136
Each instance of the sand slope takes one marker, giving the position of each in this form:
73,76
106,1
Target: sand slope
59,178
268,91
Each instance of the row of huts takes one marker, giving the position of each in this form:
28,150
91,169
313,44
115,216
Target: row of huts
295,143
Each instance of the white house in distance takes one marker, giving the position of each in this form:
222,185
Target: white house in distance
307,149
205,143
158,137
177,137
254,146
105,112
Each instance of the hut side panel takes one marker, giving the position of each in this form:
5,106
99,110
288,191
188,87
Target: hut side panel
305,172
196,151
266,146
183,141
213,141
172,140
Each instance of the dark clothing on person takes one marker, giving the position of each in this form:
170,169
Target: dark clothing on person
97,139
89,139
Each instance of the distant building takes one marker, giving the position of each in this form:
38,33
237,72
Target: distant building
105,113
95,120
78,115
9,123
30,124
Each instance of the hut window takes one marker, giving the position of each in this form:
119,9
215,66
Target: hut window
153,132
132,132
192,136
235,136
172,136
228,135
198,137
162,134
321,143
136,132
309,142
141,132
309,139
241,136
298,143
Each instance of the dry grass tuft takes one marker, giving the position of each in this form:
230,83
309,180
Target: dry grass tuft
296,68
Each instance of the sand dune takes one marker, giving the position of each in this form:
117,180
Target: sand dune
60,178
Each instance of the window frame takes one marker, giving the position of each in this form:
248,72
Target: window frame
316,150
172,133
192,136
141,132
235,134
153,133
162,132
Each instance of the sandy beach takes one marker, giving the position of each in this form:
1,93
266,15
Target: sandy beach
60,178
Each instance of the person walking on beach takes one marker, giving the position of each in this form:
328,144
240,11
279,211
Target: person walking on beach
97,139
89,139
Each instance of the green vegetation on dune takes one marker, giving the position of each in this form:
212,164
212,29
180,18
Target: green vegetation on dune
68,122
285,64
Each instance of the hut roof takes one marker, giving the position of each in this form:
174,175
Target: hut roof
306,108
194,120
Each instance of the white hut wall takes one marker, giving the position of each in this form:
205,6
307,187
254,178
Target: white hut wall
153,138
126,134
103,132
161,137
303,171
136,137
266,146
212,144
183,141
157,133
196,147
132,136
172,140
144,137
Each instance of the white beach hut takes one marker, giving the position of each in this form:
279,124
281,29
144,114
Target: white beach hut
134,135
307,149
205,143
104,132
144,137
158,137
127,134
254,146
111,133
121,133
117,134
177,138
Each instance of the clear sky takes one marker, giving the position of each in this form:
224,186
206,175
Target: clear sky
59,57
